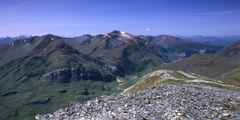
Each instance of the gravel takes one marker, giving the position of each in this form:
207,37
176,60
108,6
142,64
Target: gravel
172,101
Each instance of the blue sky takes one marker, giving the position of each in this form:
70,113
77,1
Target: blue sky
147,17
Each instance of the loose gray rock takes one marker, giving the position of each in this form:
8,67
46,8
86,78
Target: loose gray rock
173,101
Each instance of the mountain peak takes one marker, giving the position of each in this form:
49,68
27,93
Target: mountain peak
119,34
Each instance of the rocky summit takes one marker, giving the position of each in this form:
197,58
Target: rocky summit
173,101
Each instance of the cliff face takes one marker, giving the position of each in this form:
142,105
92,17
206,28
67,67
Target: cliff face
66,75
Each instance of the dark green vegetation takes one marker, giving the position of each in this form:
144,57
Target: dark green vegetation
231,52
224,65
176,48
42,74
34,97
206,65
125,51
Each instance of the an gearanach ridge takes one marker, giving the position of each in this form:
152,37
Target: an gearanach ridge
42,74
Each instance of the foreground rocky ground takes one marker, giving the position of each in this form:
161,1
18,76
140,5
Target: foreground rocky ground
167,101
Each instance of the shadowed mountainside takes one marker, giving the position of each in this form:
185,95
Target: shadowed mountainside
45,73
176,48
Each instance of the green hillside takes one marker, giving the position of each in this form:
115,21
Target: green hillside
206,65
125,51
49,75
176,48
168,76
231,52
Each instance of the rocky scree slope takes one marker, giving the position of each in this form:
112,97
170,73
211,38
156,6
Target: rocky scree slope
168,101
165,100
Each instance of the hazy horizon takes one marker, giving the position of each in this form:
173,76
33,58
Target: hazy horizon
70,18
128,32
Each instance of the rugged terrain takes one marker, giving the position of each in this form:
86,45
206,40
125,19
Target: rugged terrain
118,42
161,95
223,65
45,73
176,48
206,65
231,52
125,51
9,39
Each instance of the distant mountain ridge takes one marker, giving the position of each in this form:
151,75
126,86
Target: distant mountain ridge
231,52
125,51
225,40
223,65
176,48
169,47
9,39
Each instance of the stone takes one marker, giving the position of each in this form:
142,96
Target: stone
226,114
167,101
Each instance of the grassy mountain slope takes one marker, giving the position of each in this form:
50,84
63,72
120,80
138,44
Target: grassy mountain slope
224,64
168,76
42,74
125,51
48,75
206,65
231,77
176,47
231,52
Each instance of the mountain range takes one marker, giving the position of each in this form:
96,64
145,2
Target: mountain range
44,73
223,65
9,39
225,40
176,48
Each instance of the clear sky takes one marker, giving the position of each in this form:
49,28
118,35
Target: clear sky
147,17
